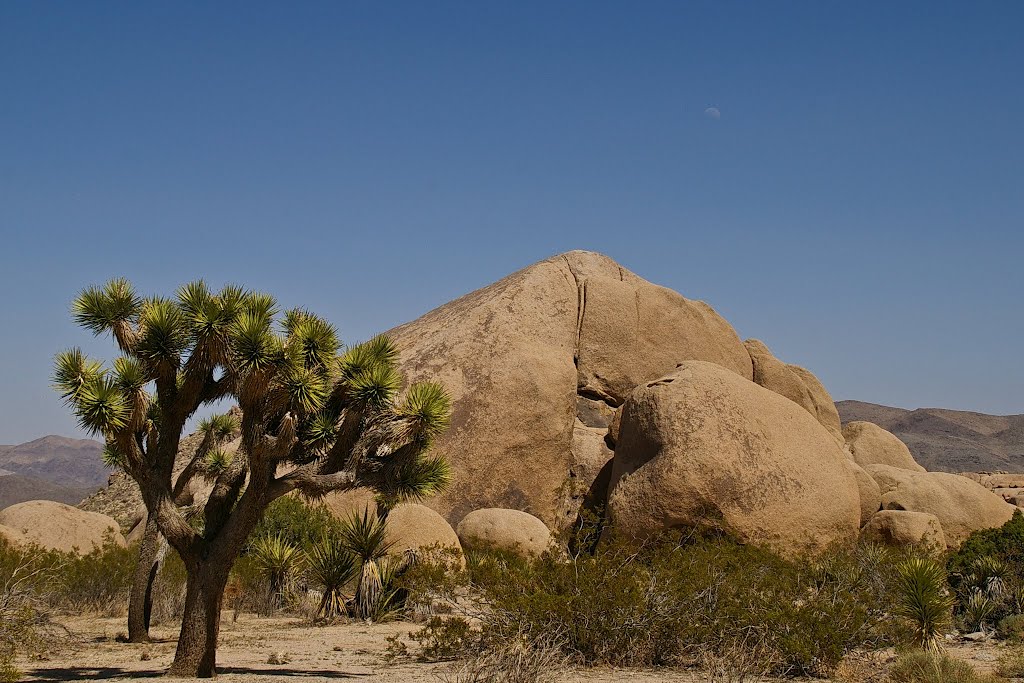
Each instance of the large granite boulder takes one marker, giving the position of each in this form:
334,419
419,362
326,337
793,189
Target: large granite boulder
870,494
417,527
529,357
705,447
904,528
796,384
962,506
509,530
869,444
56,526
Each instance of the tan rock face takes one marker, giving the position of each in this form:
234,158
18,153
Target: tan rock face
517,357
796,384
704,447
869,444
631,331
905,528
56,526
416,527
501,529
961,505
870,494
824,406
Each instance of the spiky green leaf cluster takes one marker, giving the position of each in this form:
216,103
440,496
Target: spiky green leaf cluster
101,309
365,536
924,600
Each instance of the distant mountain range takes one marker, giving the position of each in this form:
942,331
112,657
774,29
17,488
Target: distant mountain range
68,470
51,468
947,440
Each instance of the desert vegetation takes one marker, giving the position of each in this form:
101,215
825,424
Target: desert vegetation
694,602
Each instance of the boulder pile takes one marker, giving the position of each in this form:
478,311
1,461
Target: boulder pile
579,389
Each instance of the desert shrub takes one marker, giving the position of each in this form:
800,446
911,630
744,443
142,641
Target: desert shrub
297,522
446,638
25,625
1011,663
1012,627
98,581
516,660
1004,545
921,666
987,573
684,603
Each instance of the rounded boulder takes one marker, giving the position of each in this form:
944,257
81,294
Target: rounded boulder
869,444
905,528
870,494
961,505
417,527
705,448
56,526
501,529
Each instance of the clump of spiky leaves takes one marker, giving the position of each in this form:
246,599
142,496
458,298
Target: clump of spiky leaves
366,537
924,600
337,417
989,575
278,560
330,567
977,611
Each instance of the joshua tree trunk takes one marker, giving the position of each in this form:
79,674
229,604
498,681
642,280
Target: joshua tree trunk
196,655
140,601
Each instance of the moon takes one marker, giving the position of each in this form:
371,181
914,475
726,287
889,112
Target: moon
713,113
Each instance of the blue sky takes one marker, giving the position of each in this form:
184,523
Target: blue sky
858,204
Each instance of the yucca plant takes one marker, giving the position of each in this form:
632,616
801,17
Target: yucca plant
989,574
365,536
977,610
315,418
277,560
330,566
924,600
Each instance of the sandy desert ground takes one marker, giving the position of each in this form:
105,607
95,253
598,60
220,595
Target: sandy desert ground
330,653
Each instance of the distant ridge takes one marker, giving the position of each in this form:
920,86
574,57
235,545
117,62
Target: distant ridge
71,463
15,488
949,440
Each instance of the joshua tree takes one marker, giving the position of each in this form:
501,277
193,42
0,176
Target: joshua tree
208,461
313,421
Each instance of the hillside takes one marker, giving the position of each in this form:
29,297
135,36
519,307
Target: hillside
15,488
949,440
73,463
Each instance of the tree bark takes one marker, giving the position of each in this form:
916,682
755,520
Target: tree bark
140,600
196,656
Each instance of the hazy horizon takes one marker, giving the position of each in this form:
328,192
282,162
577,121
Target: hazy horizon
843,182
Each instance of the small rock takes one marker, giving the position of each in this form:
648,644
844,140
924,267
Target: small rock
278,658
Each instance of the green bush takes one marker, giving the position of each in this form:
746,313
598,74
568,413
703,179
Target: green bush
296,522
446,638
1005,544
670,603
1012,627
98,581
921,666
